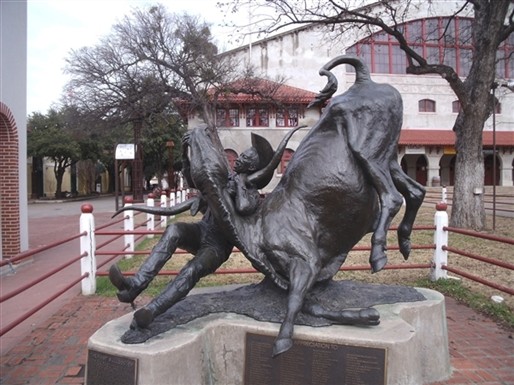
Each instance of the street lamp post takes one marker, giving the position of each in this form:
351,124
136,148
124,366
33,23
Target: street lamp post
495,85
171,173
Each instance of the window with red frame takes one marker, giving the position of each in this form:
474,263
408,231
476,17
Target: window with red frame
440,40
227,117
287,117
257,117
426,105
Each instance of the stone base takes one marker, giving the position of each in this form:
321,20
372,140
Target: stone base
211,349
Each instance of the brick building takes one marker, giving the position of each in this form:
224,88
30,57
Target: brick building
13,117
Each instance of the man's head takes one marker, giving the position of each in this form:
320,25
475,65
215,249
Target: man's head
256,157
247,162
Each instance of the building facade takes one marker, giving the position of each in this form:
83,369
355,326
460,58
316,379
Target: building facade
426,147
13,132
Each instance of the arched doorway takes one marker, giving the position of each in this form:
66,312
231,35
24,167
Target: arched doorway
489,171
231,157
9,177
421,170
447,169
415,166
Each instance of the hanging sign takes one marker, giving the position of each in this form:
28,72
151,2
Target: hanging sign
125,151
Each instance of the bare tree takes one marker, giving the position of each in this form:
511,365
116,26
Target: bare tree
181,52
152,60
493,23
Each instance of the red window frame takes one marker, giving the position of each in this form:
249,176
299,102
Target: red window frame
287,116
380,50
426,105
257,116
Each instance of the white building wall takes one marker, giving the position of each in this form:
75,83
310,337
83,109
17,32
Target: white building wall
13,89
297,56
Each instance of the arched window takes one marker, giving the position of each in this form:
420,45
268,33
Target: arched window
426,105
440,40
456,107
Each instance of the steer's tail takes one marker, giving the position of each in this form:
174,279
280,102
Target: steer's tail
361,71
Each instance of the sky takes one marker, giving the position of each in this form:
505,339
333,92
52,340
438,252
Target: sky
55,27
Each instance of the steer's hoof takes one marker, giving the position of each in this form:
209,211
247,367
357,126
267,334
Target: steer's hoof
377,259
378,264
282,345
404,244
369,316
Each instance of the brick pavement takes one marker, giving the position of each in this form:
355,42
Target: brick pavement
55,353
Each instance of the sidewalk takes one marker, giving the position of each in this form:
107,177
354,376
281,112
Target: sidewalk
55,353
48,223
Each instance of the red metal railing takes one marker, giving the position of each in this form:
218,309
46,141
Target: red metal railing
488,260
29,253
109,256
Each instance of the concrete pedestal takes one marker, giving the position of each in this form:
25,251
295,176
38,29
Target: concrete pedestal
211,350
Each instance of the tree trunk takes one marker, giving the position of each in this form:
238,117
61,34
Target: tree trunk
59,175
468,199
112,177
477,102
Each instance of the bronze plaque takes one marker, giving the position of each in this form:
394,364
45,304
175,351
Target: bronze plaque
103,368
312,362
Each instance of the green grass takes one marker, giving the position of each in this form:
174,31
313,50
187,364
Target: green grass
499,312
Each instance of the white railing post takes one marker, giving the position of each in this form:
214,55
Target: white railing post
440,258
128,225
172,198
150,218
88,248
163,205
444,195
184,195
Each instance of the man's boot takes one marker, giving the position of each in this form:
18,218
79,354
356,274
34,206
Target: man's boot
127,290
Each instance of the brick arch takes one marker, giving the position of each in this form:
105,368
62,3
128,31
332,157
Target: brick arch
9,182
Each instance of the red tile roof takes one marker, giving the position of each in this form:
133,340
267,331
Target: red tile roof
447,137
260,90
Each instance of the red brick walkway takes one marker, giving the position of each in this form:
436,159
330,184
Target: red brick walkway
481,352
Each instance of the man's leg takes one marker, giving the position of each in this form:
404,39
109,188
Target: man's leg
208,259
185,235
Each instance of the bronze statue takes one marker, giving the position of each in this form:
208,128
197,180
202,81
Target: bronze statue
342,182
205,239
